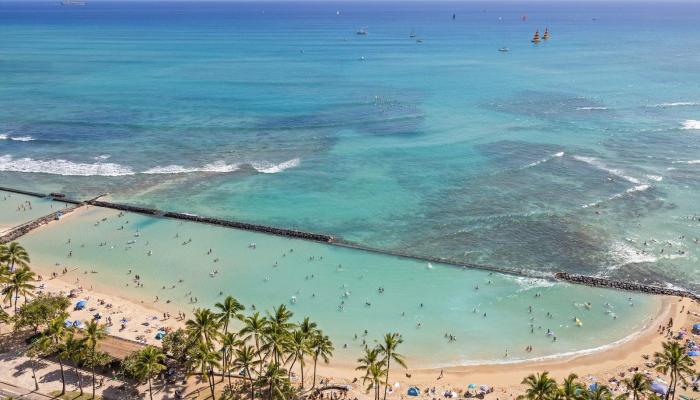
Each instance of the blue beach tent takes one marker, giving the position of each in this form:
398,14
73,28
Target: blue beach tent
696,329
413,391
67,323
694,353
659,388
160,335
593,386
81,304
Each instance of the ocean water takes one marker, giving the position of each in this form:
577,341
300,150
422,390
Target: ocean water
16,209
581,153
339,288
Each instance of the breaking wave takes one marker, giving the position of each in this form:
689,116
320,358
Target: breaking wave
62,167
625,254
638,188
612,171
538,162
687,162
675,104
216,167
591,108
5,136
691,124
267,168
99,168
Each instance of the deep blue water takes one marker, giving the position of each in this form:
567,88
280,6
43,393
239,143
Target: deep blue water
567,155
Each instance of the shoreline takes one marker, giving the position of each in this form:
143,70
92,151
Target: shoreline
663,310
592,365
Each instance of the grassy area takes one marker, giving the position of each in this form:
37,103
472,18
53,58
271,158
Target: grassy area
74,395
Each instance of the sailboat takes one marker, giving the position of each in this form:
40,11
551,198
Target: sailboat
546,34
413,34
536,38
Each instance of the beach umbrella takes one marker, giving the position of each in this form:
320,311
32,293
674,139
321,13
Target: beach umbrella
484,388
659,388
160,335
593,386
67,323
413,391
80,304
471,386
77,323
694,353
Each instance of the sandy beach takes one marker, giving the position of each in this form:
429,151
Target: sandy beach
598,365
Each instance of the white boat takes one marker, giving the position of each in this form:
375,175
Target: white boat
503,49
362,31
73,3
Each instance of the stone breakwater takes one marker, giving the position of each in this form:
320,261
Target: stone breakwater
620,285
332,240
316,237
25,228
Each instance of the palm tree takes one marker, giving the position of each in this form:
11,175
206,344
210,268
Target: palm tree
52,341
254,328
203,326
274,379
205,359
540,386
74,350
229,341
19,285
674,360
150,362
276,335
299,348
229,309
245,360
15,255
570,389
374,374
601,392
321,346
388,350
93,334
639,384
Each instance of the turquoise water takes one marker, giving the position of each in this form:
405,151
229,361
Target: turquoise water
338,288
16,209
568,155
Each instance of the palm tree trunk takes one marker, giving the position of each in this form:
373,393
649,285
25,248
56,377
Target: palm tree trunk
80,379
315,360
301,365
36,383
289,374
16,297
674,382
386,384
93,377
150,389
213,382
252,386
63,377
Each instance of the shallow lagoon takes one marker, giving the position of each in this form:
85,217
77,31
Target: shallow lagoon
14,209
338,288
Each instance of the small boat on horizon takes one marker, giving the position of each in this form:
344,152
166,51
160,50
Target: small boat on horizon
362,31
546,34
504,49
73,3
536,38
413,34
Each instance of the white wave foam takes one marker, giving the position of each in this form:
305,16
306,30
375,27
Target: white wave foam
676,104
529,283
22,138
596,163
218,167
102,157
638,188
625,254
5,136
691,124
266,168
657,178
62,167
538,162
591,108
687,162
